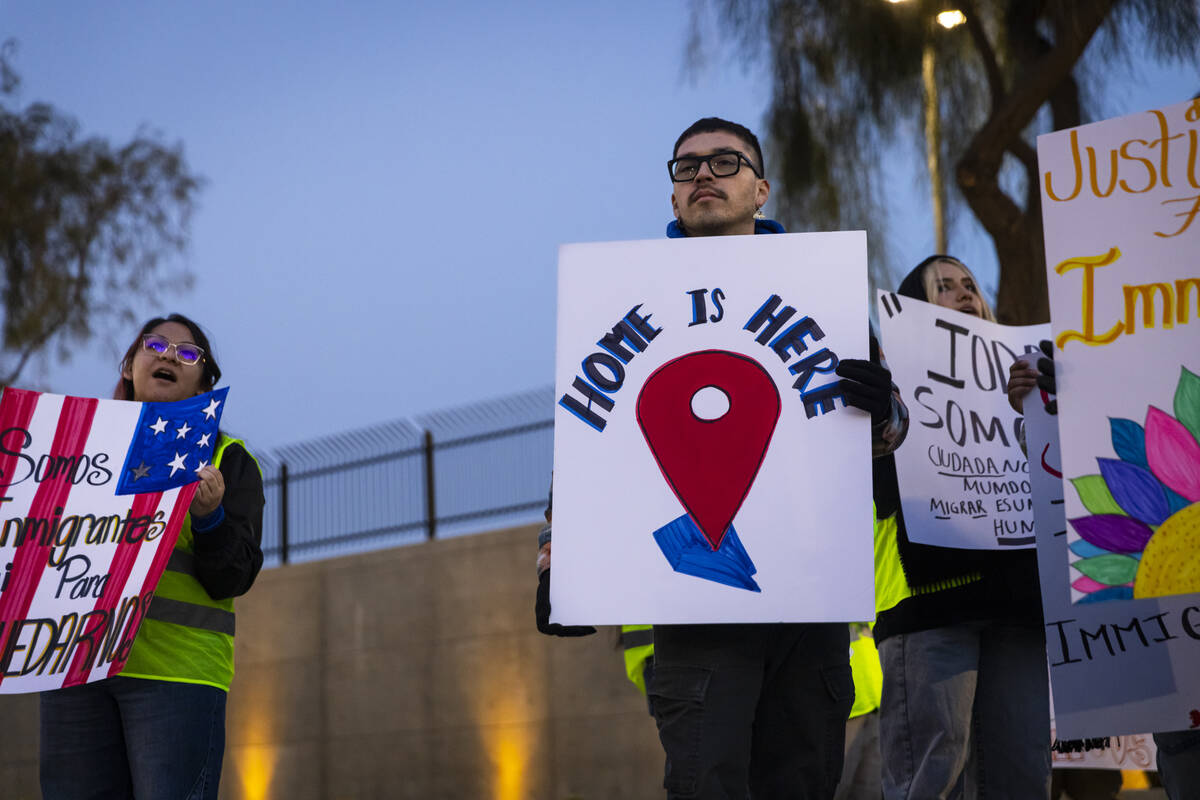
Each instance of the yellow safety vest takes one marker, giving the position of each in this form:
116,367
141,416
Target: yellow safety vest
866,669
186,637
638,641
890,584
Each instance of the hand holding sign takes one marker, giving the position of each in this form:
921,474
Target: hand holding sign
867,386
209,492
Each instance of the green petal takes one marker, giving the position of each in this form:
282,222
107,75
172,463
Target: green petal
1111,570
1187,402
1095,496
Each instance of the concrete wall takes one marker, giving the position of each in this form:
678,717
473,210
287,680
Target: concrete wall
412,673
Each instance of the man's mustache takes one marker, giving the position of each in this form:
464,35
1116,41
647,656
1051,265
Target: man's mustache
707,190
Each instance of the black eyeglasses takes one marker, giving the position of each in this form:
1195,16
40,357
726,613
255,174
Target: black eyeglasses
721,165
186,352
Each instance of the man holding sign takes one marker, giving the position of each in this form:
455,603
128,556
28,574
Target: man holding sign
742,709
767,718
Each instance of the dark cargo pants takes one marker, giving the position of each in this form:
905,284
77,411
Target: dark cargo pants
753,711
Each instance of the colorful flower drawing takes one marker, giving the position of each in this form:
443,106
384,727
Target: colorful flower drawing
1142,537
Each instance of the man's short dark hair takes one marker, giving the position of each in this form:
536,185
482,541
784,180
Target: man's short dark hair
718,125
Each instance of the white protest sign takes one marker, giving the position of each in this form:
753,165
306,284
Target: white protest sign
90,507
1135,751
1116,667
1119,201
964,481
706,468
1132,751
1123,265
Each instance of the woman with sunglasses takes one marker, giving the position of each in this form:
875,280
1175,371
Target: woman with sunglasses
157,730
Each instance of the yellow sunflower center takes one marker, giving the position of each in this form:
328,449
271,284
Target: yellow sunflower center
1171,561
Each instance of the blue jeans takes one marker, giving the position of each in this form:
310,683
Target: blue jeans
754,711
965,713
132,738
861,771
1179,763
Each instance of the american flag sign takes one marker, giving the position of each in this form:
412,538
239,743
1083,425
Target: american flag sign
92,497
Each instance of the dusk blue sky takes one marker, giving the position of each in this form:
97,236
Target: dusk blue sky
388,183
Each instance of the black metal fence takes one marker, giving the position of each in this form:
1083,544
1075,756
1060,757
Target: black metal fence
452,472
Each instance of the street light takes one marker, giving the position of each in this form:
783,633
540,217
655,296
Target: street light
933,125
933,128
950,19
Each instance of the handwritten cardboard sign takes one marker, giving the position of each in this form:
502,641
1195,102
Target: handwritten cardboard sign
1121,575
964,481
706,467
1134,751
92,497
1118,666
1123,265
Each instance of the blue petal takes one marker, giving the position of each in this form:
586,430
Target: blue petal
1129,441
1111,593
1136,490
1175,500
1085,549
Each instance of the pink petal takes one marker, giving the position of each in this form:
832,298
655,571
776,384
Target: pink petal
1173,453
1087,585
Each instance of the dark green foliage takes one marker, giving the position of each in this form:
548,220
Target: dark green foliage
846,83
84,226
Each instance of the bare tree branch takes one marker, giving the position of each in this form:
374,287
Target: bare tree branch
85,225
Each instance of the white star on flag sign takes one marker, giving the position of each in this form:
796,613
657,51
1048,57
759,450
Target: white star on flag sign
177,463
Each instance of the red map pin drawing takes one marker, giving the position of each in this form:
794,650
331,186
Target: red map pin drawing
709,448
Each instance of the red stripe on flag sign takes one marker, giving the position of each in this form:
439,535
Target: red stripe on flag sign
16,410
183,500
119,568
74,426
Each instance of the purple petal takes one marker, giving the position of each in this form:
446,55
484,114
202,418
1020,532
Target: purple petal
1136,490
1114,532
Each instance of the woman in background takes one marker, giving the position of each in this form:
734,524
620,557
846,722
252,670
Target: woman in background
965,706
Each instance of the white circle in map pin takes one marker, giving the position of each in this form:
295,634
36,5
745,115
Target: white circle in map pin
710,403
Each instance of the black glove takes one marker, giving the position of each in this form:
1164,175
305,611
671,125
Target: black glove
541,609
1046,380
868,386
